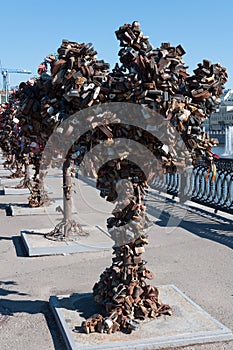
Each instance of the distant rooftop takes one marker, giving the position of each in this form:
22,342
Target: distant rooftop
227,98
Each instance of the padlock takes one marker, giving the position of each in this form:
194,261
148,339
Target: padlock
139,250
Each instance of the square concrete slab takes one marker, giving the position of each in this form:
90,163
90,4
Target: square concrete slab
13,181
18,191
5,172
36,244
15,191
188,325
46,210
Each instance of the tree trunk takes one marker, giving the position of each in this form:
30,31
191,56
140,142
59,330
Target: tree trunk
67,197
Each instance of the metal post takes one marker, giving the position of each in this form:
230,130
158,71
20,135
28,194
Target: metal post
5,84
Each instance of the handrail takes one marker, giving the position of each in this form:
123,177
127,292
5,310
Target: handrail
193,185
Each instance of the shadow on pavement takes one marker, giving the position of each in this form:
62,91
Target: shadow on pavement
195,220
4,292
19,247
202,227
9,307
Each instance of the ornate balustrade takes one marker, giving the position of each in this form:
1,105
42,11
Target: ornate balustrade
196,185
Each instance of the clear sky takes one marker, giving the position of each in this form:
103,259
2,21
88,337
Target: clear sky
31,30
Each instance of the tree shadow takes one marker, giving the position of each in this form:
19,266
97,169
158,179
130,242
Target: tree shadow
196,221
18,244
4,292
82,303
3,206
9,307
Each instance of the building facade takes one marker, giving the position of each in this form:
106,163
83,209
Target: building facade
223,117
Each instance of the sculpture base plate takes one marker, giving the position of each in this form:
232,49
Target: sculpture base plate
36,244
5,172
18,191
16,210
10,181
189,324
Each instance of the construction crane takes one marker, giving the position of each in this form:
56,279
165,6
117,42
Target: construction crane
5,76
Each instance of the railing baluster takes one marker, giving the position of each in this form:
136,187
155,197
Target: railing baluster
217,194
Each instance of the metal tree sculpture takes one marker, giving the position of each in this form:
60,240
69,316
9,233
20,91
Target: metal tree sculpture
157,80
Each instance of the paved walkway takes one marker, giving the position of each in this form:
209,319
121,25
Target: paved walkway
189,247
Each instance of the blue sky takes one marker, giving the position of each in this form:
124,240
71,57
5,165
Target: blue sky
31,30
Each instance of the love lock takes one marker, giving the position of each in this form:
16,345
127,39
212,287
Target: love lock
108,323
148,274
115,327
137,260
96,92
139,250
137,292
132,325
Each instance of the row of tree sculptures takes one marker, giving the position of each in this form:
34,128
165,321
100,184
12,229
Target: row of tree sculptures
158,92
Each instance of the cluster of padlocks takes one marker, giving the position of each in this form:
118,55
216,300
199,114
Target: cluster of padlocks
157,80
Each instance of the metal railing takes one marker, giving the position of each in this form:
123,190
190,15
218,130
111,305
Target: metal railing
196,184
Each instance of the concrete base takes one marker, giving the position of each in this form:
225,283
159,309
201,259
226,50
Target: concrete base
17,191
36,244
5,172
11,181
189,325
14,210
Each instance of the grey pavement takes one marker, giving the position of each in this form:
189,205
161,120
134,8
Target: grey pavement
189,247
